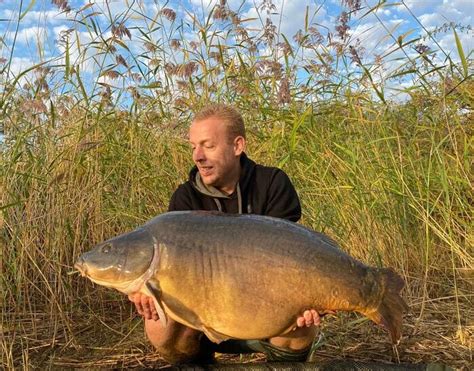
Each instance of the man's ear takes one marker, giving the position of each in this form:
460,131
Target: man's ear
239,145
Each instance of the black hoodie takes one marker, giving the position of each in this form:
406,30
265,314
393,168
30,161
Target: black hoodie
261,190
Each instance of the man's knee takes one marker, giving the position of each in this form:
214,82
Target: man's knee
156,333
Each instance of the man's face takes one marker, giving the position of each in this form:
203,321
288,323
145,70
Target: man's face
215,155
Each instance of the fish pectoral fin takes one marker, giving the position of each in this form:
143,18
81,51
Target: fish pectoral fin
214,335
155,292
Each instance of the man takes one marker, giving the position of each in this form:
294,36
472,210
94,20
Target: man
225,179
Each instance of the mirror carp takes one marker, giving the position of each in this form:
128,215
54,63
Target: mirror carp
227,274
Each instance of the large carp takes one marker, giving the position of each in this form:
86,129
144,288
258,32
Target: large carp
242,276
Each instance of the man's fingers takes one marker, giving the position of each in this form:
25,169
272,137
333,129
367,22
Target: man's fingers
136,299
146,307
138,305
154,313
308,318
316,318
300,322
152,307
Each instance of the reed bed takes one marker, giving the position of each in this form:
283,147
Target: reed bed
87,156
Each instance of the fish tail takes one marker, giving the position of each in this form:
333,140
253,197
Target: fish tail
390,311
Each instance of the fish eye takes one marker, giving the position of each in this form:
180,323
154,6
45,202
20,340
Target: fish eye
106,248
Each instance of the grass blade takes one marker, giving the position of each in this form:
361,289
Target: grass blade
461,54
32,3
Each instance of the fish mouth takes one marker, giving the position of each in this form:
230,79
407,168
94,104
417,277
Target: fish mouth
81,267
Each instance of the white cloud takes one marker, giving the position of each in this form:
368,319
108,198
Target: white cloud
46,16
448,43
58,29
431,20
79,53
294,16
464,7
20,64
38,17
209,4
290,16
204,3
31,36
434,13
418,6
374,37
115,7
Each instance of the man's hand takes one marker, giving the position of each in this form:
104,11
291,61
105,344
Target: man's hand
145,305
309,318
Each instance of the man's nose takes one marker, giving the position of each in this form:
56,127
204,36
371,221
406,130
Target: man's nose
198,154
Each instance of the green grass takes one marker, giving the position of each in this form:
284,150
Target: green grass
391,182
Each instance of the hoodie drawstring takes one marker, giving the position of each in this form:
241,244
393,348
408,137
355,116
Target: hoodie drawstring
239,200
218,203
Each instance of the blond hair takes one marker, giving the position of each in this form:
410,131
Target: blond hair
229,115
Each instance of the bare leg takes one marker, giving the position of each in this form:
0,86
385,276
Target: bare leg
299,339
176,343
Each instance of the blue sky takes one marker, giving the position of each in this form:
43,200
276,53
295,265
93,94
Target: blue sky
43,23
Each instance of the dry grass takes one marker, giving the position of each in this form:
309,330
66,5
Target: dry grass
118,341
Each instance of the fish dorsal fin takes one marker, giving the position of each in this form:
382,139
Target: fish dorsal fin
154,291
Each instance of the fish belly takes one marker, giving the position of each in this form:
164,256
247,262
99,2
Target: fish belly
249,278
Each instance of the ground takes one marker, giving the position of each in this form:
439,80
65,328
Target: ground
115,342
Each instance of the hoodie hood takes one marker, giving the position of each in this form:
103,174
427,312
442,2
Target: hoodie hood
247,169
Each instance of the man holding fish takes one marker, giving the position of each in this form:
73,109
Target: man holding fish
225,179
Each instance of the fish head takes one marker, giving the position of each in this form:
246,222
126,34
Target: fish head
120,262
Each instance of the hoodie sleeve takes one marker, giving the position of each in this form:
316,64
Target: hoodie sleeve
282,199
181,200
